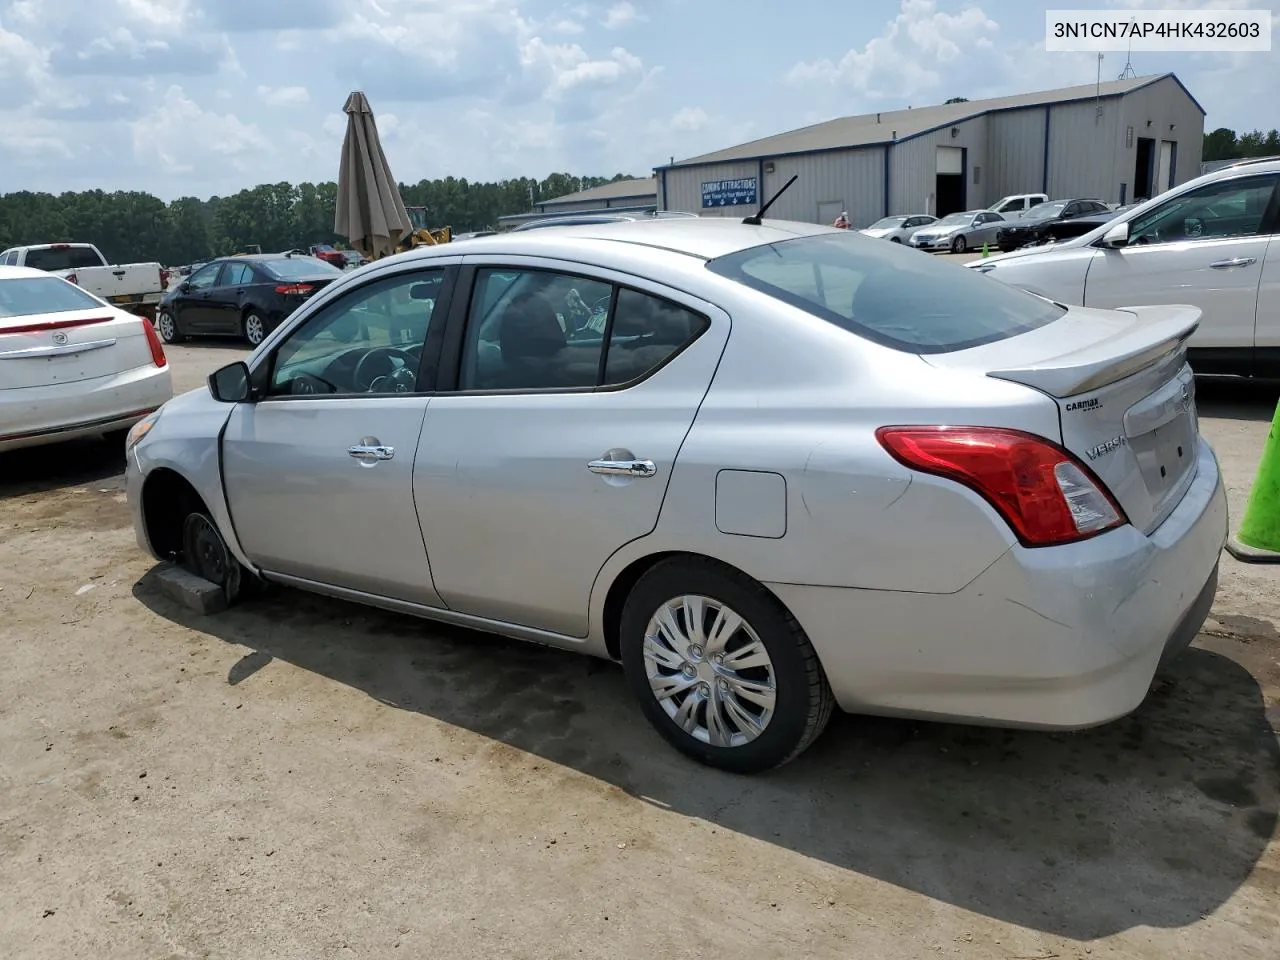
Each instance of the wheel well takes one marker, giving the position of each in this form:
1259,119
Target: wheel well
167,499
622,584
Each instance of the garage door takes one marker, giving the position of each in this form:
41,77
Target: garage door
950,160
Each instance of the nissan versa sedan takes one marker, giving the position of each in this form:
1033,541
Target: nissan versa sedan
71,365
771,468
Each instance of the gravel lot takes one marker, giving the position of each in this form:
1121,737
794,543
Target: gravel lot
302,778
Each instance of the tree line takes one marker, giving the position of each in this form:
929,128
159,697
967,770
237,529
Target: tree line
131,226
1223,144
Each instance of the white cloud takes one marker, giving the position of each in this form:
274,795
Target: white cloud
689,118
182,138
621,14
282,96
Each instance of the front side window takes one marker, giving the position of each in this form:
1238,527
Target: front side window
369,341
887,293
1216,211
538,330
204,278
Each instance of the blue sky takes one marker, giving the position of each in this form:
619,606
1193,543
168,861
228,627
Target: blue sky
202,97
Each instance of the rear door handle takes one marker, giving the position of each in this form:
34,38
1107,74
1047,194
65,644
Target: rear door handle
1233,262
375,451
623,468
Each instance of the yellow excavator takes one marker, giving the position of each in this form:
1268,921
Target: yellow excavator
422,235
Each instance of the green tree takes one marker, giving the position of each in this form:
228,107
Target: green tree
1220,145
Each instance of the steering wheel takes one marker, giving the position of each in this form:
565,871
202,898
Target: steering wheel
363,379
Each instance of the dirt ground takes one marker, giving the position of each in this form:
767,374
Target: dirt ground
302,778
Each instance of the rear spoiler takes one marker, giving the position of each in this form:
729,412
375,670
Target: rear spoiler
1158,332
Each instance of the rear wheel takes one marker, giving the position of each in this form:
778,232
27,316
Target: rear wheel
720,668
895,239
255,331
959,245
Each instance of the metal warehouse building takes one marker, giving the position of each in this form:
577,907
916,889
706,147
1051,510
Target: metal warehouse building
630,196
1116,141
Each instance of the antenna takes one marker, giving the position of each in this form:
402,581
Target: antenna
754,220
1097,92
1128,72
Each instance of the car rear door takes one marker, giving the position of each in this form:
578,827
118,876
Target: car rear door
1205,247
529,476
227,296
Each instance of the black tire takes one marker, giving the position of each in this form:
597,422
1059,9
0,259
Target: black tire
205,554
959,245
895,239
803,699
253,328
166,325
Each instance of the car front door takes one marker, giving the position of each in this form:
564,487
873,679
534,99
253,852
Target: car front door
1205,247
573,391
318,470
191,307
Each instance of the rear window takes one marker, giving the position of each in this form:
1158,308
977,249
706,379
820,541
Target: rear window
888,293
300,268
24,296
62,258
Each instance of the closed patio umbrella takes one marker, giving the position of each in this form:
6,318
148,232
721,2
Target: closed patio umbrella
370,212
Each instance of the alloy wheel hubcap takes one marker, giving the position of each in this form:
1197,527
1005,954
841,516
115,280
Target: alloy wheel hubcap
253,329
709,671
166,327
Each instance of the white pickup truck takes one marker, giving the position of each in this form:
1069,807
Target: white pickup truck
136,287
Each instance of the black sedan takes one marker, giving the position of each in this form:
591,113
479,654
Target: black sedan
1035,226
244,296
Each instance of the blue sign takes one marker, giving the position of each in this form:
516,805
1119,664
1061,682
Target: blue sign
729,193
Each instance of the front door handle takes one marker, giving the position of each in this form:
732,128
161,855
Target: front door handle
372,451
1233,262
623,468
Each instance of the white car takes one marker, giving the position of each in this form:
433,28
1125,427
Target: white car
771,467
1211,243
897,229
1012,207
71,365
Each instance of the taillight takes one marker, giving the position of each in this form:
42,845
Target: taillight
71,278
54,325
153,341
295,289
1046,495
164,278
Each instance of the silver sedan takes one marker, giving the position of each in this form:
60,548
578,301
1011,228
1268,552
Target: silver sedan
772,469
958,232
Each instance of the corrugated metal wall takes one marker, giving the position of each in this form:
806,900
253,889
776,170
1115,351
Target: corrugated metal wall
853,180
1015,154
1082,148
1163,104
684,187
914,168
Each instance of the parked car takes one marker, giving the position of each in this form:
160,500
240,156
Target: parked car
958,232
1078,226
72,365
897,229
472,235
578,220
1013,207
1209,242
244,296
771,469
136,287
329,254
1034,225
353,259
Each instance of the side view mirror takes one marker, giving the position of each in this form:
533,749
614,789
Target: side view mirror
230,384
185,286
1117,236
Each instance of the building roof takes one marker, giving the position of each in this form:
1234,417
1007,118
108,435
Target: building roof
618,190
896,125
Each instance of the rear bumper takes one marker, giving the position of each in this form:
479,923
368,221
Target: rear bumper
32,416
1064,637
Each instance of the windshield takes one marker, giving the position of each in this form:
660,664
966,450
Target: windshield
25,296
1044,211
888,223
888,293
952,219
300,268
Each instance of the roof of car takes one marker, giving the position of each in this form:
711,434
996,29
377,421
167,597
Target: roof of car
17,273
702,237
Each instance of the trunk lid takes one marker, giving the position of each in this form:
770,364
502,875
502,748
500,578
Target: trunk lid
1125,396
45,349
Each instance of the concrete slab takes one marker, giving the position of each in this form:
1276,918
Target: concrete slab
194,593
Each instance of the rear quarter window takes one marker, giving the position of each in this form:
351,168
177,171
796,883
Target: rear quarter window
894,296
